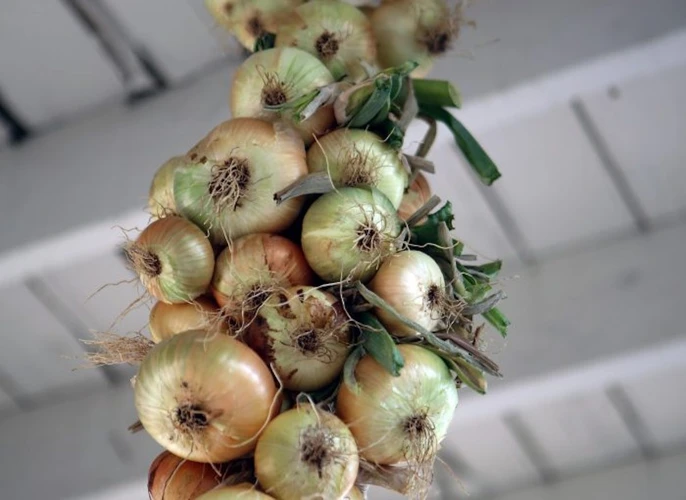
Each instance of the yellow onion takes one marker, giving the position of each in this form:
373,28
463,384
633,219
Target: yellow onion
414,30
305,453
167,320
303,334
161,196
348,233
355,157
416,196
243,491
354,494
412,283
252,268
241,164
173,259
173,478
333,31
399,419
275,77
205,397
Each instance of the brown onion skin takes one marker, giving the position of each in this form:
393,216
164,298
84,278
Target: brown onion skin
167,320
416,196
173,478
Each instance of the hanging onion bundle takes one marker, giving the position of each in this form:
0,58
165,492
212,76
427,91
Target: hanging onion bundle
174,478
167,320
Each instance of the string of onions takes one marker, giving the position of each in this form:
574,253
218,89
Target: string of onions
415,197
355,157
173,259
348,233
191,397
174,478
303,334
273,78
337,33
306,453
167,320
229,192
243,491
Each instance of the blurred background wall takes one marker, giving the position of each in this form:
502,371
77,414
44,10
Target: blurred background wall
580,102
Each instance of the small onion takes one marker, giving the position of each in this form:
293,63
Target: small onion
241,164
303,333
243,491
305,453
399,419
161,197
173,259
276,76
355,157
205,397
412,283
252,268
333,31
167,320
173,478
416,196
349,232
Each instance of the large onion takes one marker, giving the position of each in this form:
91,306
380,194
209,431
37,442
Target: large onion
205,397
243,162
355,157
243,491
349,232
303,333
305,453
416,196
276,76
167,320
173,259
173,478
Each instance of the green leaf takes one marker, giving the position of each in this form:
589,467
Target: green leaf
265,41
499,321
488,271
380,345
472,150
427,233
349,367
474,378
389,130
436,93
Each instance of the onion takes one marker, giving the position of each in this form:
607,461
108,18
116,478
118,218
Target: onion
355,157
167,320
400,420
205,397
354,494
349,232
335,32
243,491
414,30
412,283
242,163
173,478
305,453
254,267
303,334
161,196
274,77
416,196
173,259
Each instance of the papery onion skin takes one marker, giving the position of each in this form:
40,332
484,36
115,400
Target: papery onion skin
416,196
377,410
205,397
355,157
280,75
161,196
354,494
243,491
335,32
264,157
303,333
174,478
413,284
167,320
174,260
289,472
333,231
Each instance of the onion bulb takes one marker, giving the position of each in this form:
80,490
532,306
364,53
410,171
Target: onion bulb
355,157
397,420
416,196
167,320
275,77
243,491
303,334
305,453
173,259
252,268
205,397
333,31
354,494
413,284
173,478
161,196
349,232
240,165
414,30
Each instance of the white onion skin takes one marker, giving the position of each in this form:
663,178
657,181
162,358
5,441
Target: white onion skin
416,196
378,409
279,466
403,281
173,478
219,376
167,320
243,491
